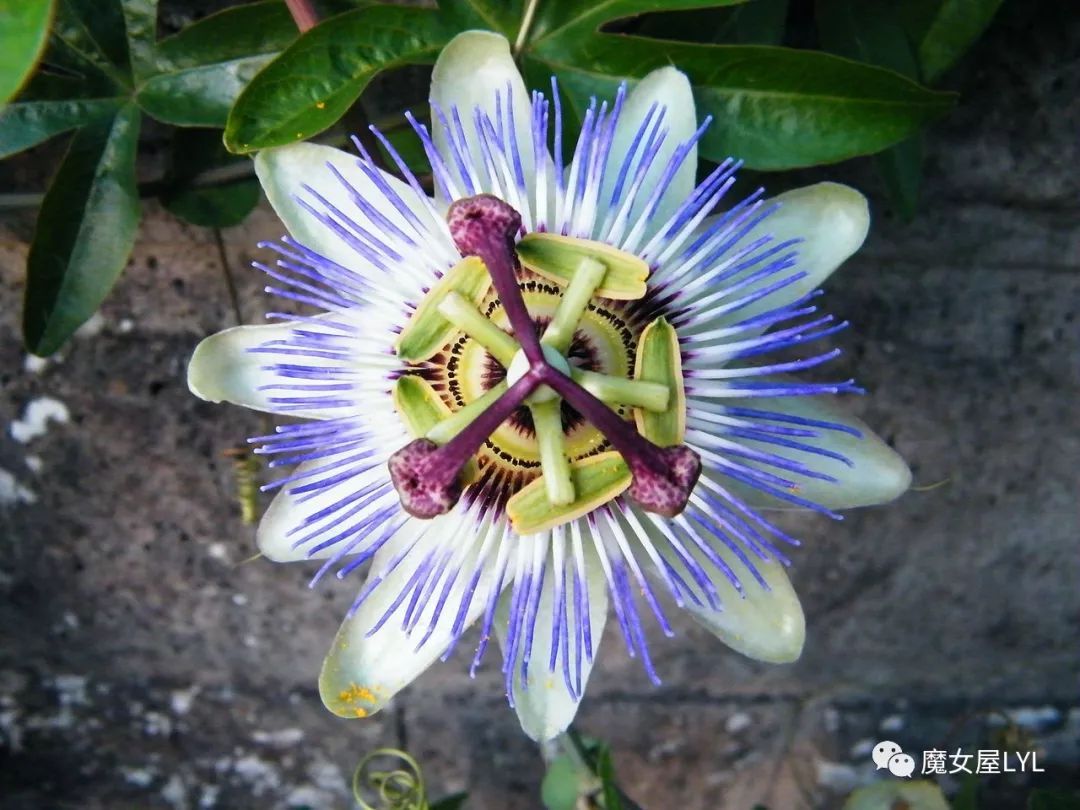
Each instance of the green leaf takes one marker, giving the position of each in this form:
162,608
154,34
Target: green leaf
203,69
945,29
24,28
1045,799
606,771
501,16
758,22
94,32
871,31
140,23
26,124
565,21
776,108
84,233
311,85
219,206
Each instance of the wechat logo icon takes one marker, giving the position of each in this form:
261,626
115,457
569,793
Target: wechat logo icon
887,754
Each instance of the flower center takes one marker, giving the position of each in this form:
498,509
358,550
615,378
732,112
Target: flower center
494,403
520,366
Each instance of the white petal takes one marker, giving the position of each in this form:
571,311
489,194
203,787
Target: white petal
470,71
832,221
878,474
362,672
764,624
544,705
283,523
285,171
224,369
669,89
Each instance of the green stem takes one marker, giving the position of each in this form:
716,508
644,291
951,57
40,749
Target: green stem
453,425
575,298
464,315
547,420
621,391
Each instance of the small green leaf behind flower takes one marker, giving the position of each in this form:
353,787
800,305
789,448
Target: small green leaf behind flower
199,72
195,152
315,81
24,27
944,30
84,233
871,31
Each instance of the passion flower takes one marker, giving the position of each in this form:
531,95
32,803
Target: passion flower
546,389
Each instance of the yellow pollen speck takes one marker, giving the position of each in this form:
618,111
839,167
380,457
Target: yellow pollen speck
320,104
360,712
355,693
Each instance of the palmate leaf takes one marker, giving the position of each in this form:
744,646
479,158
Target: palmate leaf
315,81
24,28
200,72
29,123
776,108
84,232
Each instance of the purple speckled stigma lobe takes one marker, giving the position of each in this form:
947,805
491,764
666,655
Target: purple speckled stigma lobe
427,477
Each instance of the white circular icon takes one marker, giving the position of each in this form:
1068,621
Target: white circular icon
901,765
884,751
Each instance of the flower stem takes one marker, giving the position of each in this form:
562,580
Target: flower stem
461,313
303,14
547,420
575,298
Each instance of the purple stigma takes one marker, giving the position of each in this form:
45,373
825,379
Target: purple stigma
428,477
486,227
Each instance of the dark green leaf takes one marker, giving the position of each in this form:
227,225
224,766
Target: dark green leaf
901,170
867,30
93,31
1053,800
775,108
606,771
24,27
26,124
203,69
455,801
194,152
758,22
871,31
501,16
140,22
569,21
311,85
84,233
944,30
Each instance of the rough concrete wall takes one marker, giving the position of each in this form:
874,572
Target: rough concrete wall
146,663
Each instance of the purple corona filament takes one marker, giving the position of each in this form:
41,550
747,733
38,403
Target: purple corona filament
427,477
